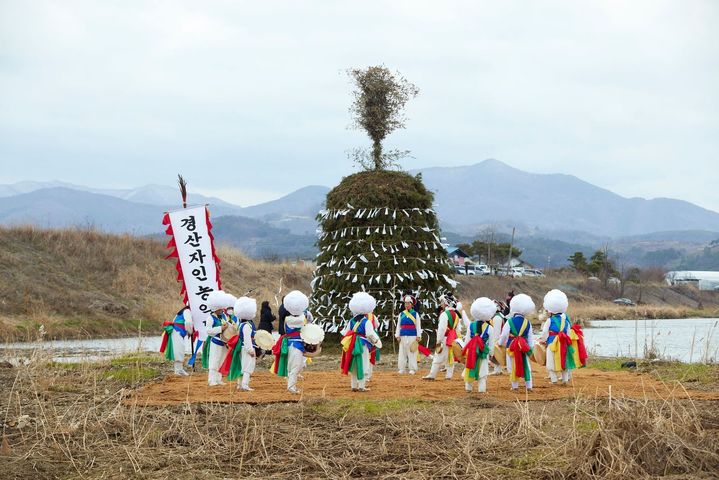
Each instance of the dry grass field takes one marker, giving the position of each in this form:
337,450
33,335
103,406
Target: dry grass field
86,421
87,284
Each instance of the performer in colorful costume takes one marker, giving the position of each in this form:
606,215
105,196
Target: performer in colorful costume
241,358
478,344
555,333
517,336
289,349
408,331
358,337
173,339
215,348
448,328
565,342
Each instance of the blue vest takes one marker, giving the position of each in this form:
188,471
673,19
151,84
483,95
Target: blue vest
216,322
515,323
476,327
294,341
554,324
407,328
178,324
252,333
361,330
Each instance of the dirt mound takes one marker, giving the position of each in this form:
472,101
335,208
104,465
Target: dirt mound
389,385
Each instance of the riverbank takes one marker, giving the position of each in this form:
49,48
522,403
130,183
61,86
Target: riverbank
80,420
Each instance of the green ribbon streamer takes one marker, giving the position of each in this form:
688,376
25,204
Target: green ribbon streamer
236,365
527,368
284,350
206,354
169,350
570,363
356,362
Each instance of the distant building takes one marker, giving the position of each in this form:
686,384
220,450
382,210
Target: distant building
456,255
703,280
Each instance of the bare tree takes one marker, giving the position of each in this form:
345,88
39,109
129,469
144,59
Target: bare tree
378,109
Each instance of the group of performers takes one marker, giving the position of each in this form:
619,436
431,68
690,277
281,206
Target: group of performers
497,334
233,343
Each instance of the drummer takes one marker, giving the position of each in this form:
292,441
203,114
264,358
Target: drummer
241,358
519,340
289,349
555,333
409,331
215,347
357,338
478,343
447,324
173,339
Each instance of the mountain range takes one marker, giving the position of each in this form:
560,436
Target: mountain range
553,213
494,193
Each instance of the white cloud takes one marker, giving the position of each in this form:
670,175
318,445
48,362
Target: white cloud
621,94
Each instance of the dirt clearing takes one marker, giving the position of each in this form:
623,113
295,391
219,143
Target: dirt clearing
385,385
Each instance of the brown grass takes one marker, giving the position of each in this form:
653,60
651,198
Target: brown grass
84,283
61,422
590,301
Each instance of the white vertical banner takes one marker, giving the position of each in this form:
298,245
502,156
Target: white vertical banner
197,263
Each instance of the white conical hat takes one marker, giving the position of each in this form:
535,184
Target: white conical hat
556,301
521,304
229,300
245,308
362,303
483,309
216,300
312,334
296,302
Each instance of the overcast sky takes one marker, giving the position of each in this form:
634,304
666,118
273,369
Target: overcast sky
249,100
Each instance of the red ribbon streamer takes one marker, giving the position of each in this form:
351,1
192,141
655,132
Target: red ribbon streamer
424,350
231,343
519,347
472,352
346,361
451,336
580,344
165,336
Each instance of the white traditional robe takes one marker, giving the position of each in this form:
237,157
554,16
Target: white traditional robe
406,359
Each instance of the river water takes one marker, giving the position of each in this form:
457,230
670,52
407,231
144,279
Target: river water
686,340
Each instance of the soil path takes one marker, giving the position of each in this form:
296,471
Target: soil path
390,385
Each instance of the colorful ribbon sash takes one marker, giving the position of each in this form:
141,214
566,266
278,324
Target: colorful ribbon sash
519,350
280,350
352,351
166,345
580,351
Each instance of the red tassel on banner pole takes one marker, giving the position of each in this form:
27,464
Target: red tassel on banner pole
214,252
